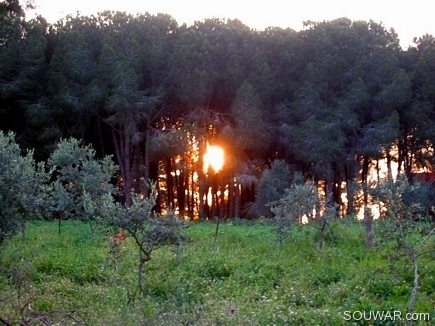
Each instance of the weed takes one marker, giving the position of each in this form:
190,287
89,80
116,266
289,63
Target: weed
242,279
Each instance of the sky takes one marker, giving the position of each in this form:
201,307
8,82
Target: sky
408,18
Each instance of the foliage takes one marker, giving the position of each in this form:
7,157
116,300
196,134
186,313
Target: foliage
271,187
405,225
23,187
79,179
301,204
150,231
247,111
330,99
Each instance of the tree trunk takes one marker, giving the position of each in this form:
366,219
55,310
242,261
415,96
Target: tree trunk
202,196
136,164
378,169
237,201
100,138
146,174
128,182
214,203
367,213
187,177
181,191
390,172
143,259
323,233
407,157
122,152
222,206
169,185
350,186
231,197
192,196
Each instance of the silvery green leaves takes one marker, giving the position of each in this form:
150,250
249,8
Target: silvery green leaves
23,187
81,181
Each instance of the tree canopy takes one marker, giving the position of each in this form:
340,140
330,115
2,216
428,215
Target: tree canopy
330,101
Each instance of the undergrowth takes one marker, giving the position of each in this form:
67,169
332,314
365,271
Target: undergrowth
244,278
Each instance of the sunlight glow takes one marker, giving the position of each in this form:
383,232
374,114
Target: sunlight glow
378,172
214,158
260,14
374,209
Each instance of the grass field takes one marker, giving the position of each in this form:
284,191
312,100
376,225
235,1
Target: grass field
244,278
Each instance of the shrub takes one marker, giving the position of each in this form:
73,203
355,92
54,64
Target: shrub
301,204
23,187
271,187
148,229
402,207
80,180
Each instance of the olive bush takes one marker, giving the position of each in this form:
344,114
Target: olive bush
79,178
404,222
23,187
149,230
302,204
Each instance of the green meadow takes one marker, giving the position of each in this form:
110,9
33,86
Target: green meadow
243,277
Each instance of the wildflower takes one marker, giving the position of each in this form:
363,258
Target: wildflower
232,310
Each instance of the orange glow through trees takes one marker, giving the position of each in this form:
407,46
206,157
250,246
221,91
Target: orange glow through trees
214,158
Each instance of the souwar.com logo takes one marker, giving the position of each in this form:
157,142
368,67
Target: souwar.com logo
395,315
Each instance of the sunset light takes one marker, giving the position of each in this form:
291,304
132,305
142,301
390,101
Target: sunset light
257,137
259,15
214,158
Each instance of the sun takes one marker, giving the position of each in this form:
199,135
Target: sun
214,158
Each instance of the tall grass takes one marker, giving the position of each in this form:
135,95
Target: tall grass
244,278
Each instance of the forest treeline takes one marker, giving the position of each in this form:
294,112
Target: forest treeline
331,101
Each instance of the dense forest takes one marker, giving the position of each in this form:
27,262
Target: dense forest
333,101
